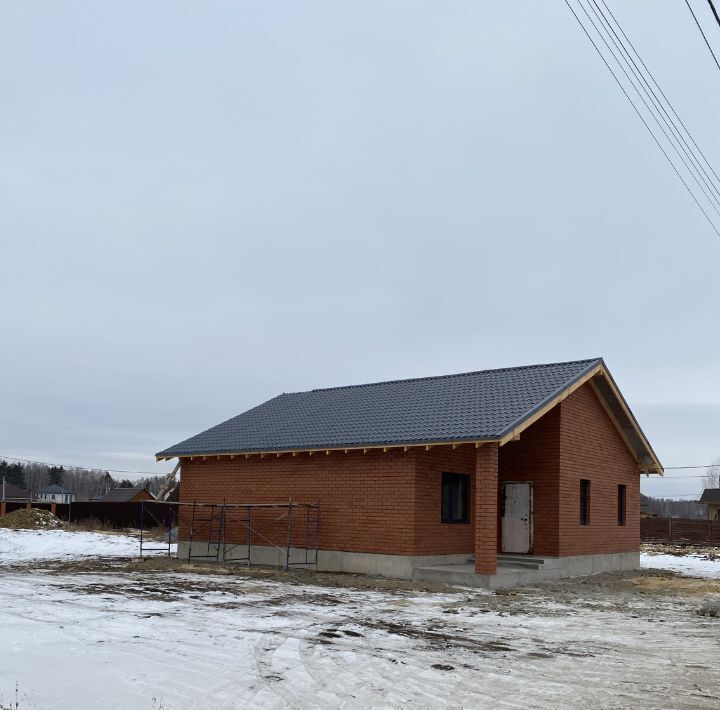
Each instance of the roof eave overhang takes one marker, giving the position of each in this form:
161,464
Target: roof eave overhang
624,420
477,442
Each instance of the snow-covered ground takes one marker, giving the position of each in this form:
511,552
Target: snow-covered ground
83,636
694,565
29,545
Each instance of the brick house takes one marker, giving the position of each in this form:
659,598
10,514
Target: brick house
495,473
126,495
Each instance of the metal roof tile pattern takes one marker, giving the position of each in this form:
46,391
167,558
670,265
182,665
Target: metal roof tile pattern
54,488
120,495
470,406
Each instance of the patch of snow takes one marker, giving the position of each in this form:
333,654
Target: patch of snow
29,545
691,565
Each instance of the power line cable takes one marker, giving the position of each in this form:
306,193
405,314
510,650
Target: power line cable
662,93
677,468
678,478
698,170
699,26
714,11
642,118
83,468
650,109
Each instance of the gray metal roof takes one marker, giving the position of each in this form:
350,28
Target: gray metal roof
710,495
54,488
121,495
474,406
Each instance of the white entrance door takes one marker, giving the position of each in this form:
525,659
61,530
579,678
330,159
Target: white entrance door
516,521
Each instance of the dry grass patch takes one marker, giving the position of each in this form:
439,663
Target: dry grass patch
90,525
706,552
675,584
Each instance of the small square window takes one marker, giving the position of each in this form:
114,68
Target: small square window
584,502
455,498
621,505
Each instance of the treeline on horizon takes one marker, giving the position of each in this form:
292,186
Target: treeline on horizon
86,484
674,508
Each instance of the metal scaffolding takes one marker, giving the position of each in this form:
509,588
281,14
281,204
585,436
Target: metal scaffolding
169,523
226,532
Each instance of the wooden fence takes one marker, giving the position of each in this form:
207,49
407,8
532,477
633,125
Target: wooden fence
679,530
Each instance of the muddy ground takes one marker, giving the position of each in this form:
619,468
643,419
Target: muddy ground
163,577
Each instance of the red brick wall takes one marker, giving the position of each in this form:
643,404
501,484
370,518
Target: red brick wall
432,536
486,482
375,502
591,448
536,458
367,500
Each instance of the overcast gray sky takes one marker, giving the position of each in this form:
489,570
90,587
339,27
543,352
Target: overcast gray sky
204,204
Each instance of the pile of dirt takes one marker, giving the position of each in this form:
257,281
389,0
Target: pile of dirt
33,519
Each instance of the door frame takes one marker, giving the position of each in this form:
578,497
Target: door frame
531,521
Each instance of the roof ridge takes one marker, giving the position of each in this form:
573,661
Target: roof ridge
447,377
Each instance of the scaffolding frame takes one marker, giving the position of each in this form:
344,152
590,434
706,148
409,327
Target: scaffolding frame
168,524
209,525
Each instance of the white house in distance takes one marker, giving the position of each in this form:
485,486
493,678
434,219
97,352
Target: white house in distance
55,494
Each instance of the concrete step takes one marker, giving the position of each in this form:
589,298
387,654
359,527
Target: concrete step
517,565
524,558
507,576
515,562
519,562
464,575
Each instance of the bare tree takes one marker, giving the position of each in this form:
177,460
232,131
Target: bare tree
85,483
712,475
673,508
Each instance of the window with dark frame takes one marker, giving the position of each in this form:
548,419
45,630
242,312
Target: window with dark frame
584,502
621,505
455,498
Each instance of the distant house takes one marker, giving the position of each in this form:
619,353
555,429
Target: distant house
56,494
10,492
711,498
126,495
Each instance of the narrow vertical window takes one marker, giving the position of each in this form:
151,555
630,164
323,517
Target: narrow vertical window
584,502
454,498
621,505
